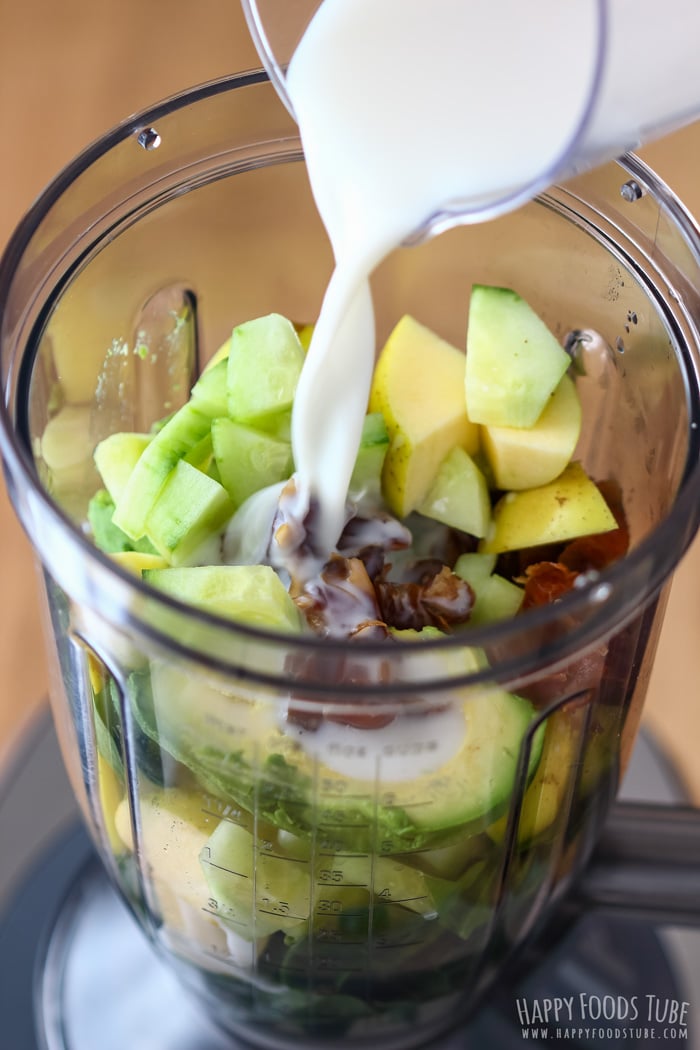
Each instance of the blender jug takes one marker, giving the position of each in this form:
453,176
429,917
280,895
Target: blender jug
330,844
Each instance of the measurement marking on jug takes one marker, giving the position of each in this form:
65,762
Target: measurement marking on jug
286,859
225,816
344,885
334,875
335,907
406,900
220,867
281,911
224,917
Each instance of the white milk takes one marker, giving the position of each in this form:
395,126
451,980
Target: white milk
404,106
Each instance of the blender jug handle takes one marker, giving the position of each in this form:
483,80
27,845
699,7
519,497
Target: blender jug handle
647,864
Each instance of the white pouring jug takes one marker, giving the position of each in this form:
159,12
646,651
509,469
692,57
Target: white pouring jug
644,78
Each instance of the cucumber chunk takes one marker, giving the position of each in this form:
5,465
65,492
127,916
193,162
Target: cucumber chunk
248,459
180,434
253,594
514,362
190,508
264,365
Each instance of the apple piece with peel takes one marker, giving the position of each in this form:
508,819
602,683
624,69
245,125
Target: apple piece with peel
459,495
115,458
514,363
570,506
527,457
418,386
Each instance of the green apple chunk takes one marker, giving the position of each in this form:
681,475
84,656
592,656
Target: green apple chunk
570,506
191,507
514,363
459,495
264,365
418,386
253,594
526,457
248,459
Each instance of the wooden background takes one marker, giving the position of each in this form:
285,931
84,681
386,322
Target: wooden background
68,72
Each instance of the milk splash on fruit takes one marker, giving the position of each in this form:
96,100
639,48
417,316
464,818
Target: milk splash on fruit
409,109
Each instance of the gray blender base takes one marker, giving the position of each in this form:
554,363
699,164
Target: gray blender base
72,957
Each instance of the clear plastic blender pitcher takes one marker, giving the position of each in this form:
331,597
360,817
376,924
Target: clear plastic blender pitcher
363,882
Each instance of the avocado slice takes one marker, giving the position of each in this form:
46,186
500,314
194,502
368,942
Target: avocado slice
421,781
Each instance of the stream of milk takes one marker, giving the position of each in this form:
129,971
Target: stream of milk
404,107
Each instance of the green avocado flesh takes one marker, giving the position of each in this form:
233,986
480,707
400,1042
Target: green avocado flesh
385,792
